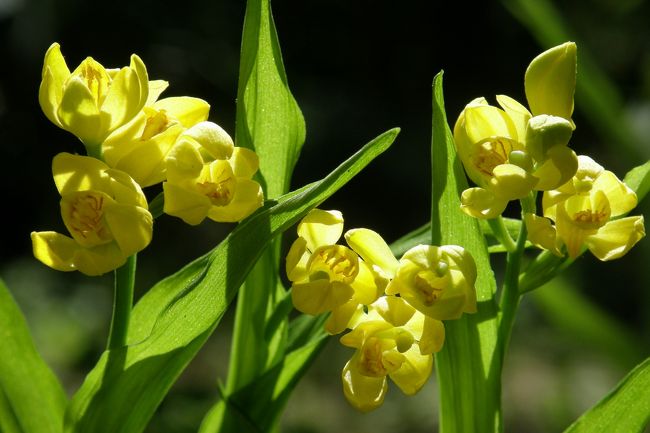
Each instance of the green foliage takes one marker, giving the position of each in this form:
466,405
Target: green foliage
468,366
31,397
625,410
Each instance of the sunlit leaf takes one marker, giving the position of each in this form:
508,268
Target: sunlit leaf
639,180
31,397
468,366
625,410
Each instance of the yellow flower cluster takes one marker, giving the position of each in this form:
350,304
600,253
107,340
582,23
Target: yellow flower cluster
586,212
392,308
134,140
510,152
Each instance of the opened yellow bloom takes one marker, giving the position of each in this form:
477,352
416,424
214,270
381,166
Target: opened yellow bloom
585,212
437,281
207,177
141,146
508,151
91,101
392,340
327,277
105,212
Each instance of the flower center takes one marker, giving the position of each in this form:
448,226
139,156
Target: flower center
588,219
220,193
336,262
95,80
429,286
85,219
492,152
157,122
371,359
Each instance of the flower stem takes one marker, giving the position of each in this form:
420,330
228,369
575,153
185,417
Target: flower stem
510,295
122,304
500,232
95,151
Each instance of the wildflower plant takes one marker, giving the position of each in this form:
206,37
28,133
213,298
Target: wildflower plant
427,303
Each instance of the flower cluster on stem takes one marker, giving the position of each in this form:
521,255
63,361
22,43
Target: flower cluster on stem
391,309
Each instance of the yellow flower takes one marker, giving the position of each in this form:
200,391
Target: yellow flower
208,177
91,101
508,152
490,144
392,340
437,281
141,146
104,210
327,277
585,211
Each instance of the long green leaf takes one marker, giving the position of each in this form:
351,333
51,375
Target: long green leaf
625,410
173,320
257,407
269,121
31,397
468,366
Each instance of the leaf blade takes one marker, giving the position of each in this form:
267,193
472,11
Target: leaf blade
31,397
626,409
468,366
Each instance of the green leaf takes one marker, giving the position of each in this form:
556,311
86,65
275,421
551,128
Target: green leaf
173,320
258,406
625,410
269,120
31,397
469,365
639,180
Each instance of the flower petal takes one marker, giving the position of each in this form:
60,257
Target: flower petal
319,296
621,198
373,249
482,203
50,92
362,392
187,110
414,371
550,81
78,112
321,228
248,198
212,138
78,173
616,238
244,162
188,205
131,227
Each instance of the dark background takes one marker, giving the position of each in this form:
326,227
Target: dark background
356,68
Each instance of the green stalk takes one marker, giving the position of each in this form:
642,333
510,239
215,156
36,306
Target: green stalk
510,296
122,303
468,367
94,151
501,233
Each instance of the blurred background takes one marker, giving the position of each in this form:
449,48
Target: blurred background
356,69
